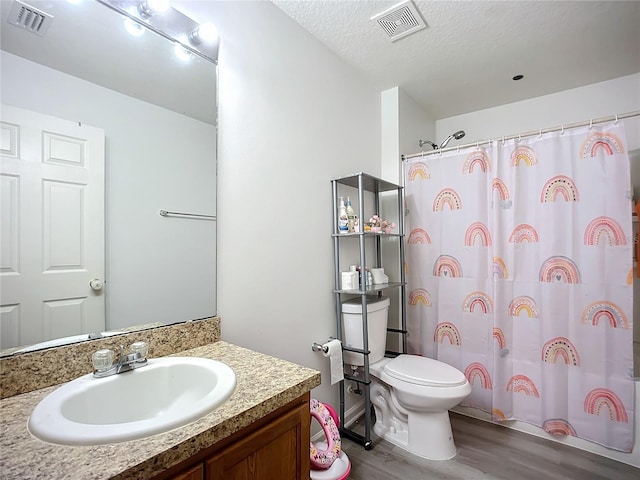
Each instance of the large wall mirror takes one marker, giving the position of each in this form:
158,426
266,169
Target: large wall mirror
155,105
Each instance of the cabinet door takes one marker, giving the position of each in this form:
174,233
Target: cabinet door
279,450
194,473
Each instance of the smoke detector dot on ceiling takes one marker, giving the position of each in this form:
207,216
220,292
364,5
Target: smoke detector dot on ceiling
400,20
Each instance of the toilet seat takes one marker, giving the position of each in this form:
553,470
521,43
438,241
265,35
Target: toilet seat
424,371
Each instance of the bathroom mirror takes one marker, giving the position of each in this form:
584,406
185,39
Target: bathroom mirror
158,113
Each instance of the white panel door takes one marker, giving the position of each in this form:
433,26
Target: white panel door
51,228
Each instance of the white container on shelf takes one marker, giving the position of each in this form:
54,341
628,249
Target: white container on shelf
350,280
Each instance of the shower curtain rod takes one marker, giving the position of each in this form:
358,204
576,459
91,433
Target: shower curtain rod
528,134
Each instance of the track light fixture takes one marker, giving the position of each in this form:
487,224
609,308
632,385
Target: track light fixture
205,33
159,16
149,8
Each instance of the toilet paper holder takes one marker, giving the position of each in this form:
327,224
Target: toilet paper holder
318,347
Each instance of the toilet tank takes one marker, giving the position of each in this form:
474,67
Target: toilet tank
377,313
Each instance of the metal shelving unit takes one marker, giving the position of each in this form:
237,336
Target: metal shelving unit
366,183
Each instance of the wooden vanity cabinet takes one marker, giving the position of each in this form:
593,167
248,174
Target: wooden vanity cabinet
274,447
194,473
271,452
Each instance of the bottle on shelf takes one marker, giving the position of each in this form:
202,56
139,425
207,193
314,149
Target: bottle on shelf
365,279
351,217
343,221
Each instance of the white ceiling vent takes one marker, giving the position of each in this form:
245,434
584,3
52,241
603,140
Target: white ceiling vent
400,20
29,18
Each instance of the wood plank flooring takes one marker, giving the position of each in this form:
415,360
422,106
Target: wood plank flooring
486,452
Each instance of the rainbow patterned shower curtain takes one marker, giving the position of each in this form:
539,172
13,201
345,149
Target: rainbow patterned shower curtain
519,273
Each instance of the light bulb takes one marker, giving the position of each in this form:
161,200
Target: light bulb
207,33
148,8
134,29
181,52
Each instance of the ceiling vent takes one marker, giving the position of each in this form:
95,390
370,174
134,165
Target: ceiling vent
400,20
29,18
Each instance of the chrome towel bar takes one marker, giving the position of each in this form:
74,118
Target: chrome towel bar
166,213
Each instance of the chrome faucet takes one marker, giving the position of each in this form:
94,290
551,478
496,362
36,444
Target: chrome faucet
105,366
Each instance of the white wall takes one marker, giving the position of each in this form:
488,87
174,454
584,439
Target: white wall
404,123
390,134
576,105
148,168
292,117
415,124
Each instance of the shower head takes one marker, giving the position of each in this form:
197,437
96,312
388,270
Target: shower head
421,143
458,135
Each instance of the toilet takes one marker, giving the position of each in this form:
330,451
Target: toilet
411,394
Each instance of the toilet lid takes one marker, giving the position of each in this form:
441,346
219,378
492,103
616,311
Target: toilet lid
424,371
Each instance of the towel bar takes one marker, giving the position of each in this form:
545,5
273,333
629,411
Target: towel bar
166,213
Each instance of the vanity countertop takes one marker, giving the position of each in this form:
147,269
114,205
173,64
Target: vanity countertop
264,383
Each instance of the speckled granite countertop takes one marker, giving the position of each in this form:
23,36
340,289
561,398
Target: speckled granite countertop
264,384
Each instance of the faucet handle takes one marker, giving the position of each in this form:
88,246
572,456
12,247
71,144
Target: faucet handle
102,359
140,347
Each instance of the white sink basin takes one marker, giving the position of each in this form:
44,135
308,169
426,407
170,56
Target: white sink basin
166,393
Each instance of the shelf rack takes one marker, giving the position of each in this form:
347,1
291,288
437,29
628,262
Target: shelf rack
367,183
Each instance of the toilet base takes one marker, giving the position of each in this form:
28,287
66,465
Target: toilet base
429,435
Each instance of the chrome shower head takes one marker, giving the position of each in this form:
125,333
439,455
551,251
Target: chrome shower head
458,135
421,143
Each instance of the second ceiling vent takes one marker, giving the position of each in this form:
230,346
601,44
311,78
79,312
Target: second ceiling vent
29,18
400,20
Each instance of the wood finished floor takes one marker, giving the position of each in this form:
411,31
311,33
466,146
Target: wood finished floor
486,452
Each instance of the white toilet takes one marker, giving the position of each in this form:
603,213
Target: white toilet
411,395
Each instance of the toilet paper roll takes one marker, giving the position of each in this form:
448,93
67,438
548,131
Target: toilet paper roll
333,350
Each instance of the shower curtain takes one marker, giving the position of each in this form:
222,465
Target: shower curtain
519,273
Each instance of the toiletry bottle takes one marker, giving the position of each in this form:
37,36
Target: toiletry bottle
351,216
342,216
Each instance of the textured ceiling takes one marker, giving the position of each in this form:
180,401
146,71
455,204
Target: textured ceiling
466,58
